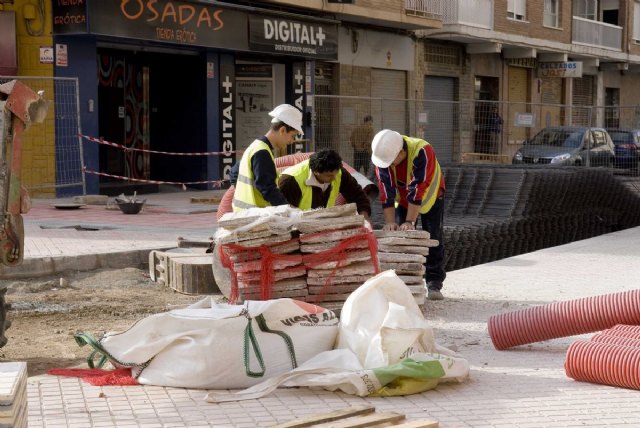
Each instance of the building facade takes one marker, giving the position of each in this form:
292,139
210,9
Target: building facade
200,76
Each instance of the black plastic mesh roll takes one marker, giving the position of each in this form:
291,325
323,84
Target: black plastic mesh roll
494,212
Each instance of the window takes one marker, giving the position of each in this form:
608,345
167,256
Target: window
636,20
585,9
551,18
517,9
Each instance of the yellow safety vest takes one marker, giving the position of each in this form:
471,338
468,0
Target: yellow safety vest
414,145
246,195
300,172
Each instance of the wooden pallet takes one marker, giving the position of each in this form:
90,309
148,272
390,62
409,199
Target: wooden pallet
355,417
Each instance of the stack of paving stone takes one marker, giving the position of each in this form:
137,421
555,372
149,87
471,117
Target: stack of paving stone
333,274
13,395
251,265
406,252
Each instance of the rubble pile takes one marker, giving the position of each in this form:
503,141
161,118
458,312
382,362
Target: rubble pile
406,252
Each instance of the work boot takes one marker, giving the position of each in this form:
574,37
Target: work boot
434,294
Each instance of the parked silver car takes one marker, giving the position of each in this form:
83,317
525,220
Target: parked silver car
567,145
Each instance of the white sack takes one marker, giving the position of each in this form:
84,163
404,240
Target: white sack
203,346
380,326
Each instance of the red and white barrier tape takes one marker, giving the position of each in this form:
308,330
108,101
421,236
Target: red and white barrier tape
216,183
133,149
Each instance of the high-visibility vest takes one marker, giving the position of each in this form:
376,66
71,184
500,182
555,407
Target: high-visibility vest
414,145
300,172
246,195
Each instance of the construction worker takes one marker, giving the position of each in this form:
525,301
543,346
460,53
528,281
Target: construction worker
317,181
411,186
257,181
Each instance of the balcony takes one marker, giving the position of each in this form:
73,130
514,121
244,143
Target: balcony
472,13
426,8
596,34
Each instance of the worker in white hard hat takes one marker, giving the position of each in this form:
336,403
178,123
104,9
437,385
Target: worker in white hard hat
257,181
411,187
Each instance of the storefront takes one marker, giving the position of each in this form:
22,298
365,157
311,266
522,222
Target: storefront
183,77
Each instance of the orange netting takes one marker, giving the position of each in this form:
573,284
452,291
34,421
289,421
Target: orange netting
267,259
98,377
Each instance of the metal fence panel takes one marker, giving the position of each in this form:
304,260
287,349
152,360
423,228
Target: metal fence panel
470,131
53,150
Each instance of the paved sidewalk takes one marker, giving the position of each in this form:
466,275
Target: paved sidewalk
94,236
522,387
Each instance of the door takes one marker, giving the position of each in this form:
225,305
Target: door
255,98
441,117
111,120
518,99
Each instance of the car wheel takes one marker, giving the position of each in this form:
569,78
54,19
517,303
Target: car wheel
610,163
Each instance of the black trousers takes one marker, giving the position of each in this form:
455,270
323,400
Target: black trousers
361,158
432,222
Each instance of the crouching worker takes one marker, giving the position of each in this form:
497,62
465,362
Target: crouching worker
257,176
317,181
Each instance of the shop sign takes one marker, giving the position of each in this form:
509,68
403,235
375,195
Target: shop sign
560,69
283,35
227,115
298,84
525,120
46,55
167,21
62,59
69,16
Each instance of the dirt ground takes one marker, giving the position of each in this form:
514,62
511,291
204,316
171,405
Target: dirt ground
46,312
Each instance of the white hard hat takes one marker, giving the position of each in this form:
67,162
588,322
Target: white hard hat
385,147
288,114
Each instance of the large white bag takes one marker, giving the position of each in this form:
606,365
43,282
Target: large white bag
220,346
385,347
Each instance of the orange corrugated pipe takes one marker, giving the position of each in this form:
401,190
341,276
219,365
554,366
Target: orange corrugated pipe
562,319
603,363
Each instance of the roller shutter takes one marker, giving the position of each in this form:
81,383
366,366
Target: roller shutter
391,112
439,94
583,93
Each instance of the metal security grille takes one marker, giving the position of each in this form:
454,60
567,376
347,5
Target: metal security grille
583,92
53,149
439,54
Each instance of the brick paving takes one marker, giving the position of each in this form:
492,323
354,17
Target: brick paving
522,387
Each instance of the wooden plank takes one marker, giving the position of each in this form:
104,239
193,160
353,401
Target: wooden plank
326,417
419,423
371,420
192,275
206,200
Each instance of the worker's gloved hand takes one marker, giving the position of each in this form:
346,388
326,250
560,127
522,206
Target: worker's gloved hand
390,226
